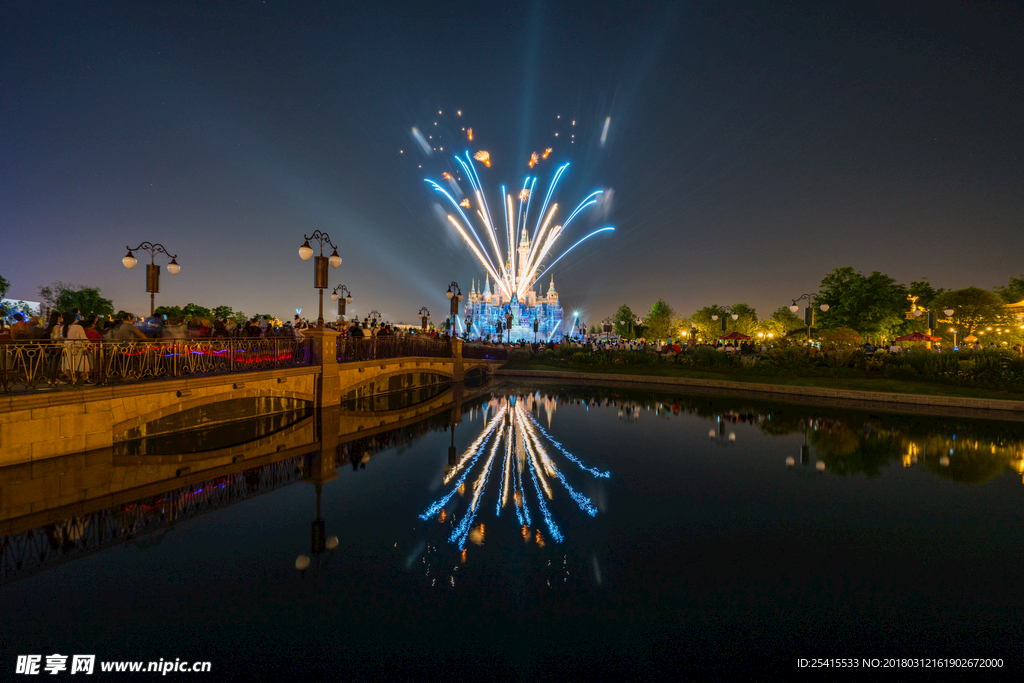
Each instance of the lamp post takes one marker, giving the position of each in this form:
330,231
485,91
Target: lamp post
454,295
536,326
424,317
726,309
320,266
152,270
509,317
606,325
342,296
374,317
808,311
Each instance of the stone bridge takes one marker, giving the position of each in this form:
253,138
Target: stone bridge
37,426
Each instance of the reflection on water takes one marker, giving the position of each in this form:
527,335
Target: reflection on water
567,527
512,440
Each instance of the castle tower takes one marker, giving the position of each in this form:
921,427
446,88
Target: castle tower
487,289
524,253
552,294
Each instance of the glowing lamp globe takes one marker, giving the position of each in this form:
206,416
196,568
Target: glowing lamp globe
794,308
302,562
334,259
824,307
449,294
948,312
129,261
820,466
735,316
714,317
711,433
334,296
790,461
944,461
348,299
305,251
173,268
332,542
917,313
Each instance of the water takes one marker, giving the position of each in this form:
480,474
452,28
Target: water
680,543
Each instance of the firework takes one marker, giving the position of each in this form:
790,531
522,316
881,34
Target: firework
446,176
546,153
513,273
469,133
534,158
483,157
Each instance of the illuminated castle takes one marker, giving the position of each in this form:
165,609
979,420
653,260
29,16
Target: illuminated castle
487,309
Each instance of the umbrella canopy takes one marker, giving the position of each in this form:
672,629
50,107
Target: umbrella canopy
970,338
734,335
917,337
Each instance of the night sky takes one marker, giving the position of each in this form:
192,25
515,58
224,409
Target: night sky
753,147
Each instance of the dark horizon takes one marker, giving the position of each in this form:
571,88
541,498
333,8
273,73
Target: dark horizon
750,151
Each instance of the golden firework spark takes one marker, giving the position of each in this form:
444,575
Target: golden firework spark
534,158
546,153
483,157
470,134
464,203
524,195
446,176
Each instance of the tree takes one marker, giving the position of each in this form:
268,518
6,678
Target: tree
872,305
622,318
62,296
782,322
973,309
4,286
924,292
708,329
659,320
1013,291
594,330
746,320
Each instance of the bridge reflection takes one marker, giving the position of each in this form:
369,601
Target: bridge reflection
124,498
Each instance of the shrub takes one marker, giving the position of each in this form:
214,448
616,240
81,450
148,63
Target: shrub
519,355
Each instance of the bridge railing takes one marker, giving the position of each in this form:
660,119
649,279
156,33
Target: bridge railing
484,352
399,346
25,366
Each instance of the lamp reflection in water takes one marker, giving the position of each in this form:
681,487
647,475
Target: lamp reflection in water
319,540
515,452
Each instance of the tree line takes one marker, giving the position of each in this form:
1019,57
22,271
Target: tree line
848,305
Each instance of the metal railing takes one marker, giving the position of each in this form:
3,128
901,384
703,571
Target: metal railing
399,346
476,352
41,364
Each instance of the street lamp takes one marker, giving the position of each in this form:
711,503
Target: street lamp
509,317
808,311
726,309
536,326
152,270
606,325
345,297
374,316
424,317
454,295
320,266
